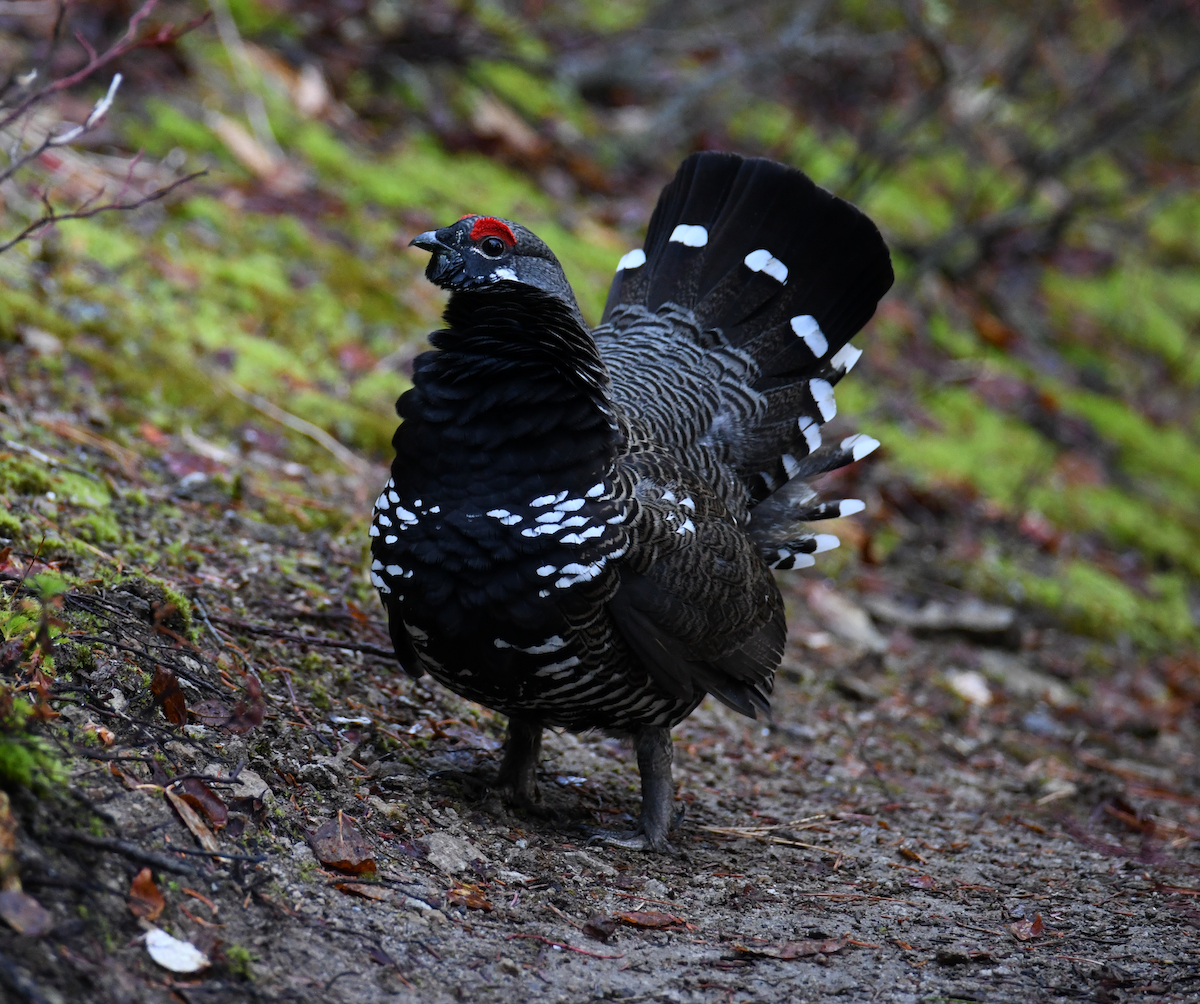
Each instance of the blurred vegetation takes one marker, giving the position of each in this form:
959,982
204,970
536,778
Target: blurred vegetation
1033,165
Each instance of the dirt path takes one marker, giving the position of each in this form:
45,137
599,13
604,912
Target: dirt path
947,816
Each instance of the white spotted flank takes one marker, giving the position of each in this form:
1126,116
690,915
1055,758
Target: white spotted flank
822,392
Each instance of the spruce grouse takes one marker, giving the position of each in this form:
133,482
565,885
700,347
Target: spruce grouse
581,525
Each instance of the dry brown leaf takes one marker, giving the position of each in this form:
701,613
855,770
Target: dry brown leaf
145,900
470,896
649,918
908,852
167,692
339,845
202,798
599,927
794,949
1026,930
922,882
24,914
365,890
191,819
248,713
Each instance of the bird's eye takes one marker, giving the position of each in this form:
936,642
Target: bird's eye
493,247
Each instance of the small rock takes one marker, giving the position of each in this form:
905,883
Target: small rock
970,686
582,859
955,955
449,853
656,889
845,618
506,965
972,616
1012,673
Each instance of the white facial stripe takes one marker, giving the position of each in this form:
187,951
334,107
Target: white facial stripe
822,392
633,259
689,235
763,261
805,326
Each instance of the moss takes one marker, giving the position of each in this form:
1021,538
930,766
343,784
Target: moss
22,477
238,958
10,525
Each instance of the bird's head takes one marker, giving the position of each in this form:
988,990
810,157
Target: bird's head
481,252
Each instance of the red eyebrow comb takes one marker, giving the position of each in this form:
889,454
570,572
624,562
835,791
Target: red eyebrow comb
489,226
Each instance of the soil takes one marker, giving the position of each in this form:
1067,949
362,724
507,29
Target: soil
975,810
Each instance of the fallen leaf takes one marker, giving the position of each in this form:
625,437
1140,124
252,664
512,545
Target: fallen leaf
212,713
192,821
167,692
202,798
248,713
365,890
470,896
921,882
24,914
173,954
144,898
338,844
649,918
599,927
908,852
1025,930
794,949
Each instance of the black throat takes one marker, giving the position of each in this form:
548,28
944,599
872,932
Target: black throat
514,395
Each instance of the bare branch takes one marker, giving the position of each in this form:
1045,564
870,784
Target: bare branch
52,216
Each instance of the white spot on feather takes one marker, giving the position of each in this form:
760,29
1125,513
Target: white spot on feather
632,259
790,466
861,444
377,581
822,392
595,491
395,570
845,358
374,531
547,570
805,326
391,538
826,542
690,235
545,500
848,507
504,273
763,261
812,432
570,505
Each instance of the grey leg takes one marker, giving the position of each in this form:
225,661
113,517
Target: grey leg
518,771
654,753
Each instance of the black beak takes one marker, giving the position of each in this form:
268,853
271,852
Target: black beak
428,241
445,262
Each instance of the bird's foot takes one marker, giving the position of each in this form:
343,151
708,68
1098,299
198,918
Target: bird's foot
645,837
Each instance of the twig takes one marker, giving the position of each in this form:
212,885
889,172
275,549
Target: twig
53,216
349,460
305,640
131,851
558,944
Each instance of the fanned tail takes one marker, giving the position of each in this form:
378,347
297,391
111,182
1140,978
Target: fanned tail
785,273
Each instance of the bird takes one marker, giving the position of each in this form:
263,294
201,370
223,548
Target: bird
582,526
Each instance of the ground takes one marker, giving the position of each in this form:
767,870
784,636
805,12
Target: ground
949,802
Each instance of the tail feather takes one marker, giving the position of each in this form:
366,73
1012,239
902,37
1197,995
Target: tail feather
776,270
